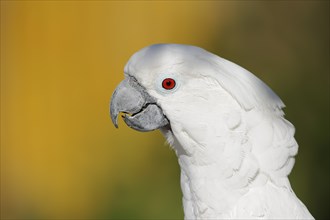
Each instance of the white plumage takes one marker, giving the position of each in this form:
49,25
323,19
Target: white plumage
234,147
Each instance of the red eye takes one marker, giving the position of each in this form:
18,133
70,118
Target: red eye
168,83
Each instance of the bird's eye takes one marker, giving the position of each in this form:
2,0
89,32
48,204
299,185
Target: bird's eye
168,83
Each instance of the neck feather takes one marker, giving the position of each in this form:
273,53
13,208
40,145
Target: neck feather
213,178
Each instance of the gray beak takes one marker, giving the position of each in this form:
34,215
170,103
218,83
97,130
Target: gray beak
141,111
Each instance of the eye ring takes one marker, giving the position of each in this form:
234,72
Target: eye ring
168,83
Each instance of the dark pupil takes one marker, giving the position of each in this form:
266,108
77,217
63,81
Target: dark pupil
168,83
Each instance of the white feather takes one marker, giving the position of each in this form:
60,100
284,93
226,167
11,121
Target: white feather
234,147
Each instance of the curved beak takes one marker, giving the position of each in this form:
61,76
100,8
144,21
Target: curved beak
140,109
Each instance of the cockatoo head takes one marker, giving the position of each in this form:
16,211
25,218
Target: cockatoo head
225,125
169,85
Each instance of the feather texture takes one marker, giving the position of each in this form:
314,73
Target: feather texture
227,127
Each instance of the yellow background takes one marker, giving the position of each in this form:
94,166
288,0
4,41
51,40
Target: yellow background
61,157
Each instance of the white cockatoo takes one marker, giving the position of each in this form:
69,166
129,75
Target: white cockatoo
226,126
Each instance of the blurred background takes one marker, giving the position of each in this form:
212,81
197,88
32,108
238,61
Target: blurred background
62,158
